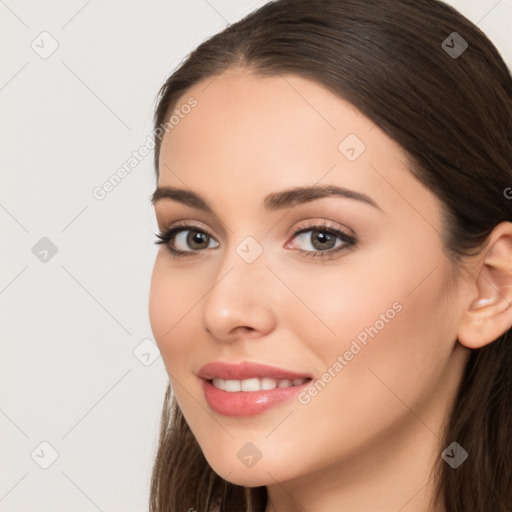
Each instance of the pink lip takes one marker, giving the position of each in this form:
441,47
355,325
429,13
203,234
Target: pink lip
246,370
246,403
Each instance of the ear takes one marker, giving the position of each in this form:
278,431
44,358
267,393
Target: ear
489,313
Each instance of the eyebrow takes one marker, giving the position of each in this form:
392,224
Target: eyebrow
272,202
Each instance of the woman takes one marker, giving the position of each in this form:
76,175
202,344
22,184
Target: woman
332,298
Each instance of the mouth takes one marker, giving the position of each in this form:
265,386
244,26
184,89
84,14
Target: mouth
246,389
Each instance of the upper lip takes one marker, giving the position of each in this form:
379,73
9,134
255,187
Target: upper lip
246,370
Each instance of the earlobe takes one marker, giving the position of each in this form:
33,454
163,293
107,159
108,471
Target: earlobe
489,314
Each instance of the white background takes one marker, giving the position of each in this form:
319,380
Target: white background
70,325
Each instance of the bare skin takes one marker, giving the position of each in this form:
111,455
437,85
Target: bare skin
369,438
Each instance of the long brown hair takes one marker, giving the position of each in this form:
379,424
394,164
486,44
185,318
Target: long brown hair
452,114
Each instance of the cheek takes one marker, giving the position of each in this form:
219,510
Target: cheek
391,348
171,306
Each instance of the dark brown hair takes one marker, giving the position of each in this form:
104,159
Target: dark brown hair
452,115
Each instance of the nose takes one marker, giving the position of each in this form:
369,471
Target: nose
240,300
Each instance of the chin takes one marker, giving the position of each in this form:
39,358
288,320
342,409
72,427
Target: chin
246,478
234,472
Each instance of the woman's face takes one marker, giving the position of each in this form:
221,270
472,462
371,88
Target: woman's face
370,319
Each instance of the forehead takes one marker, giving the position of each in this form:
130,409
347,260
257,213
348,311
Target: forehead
259,134
237,107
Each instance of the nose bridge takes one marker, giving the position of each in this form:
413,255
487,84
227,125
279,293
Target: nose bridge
242,272
245,256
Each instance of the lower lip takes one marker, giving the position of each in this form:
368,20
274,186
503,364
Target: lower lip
247,403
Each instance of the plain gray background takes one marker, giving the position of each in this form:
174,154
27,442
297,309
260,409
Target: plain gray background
82,382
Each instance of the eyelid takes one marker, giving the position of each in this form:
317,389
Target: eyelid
215,222
317,223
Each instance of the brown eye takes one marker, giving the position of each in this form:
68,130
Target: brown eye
195,239
323,240
184,240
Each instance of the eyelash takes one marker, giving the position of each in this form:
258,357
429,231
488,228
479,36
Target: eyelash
350,242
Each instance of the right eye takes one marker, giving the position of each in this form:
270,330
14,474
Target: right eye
184,236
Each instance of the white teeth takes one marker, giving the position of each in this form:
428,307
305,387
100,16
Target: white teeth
267,383
233,385
255,384
250,384
220,383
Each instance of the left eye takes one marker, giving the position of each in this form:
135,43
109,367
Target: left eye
323,239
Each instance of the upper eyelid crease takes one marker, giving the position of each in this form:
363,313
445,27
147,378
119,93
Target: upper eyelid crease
272,202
